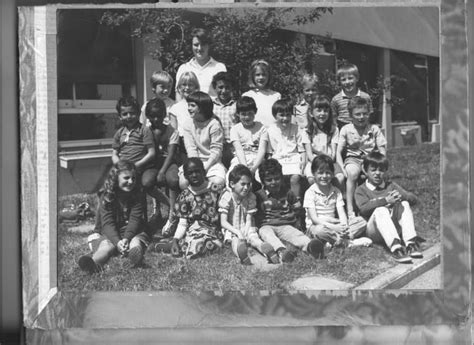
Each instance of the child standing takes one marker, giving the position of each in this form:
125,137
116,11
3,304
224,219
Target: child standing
309,84
161,84
323,136
120,225
225,110
386,206
198,230
260,81
325,215
287,143
347,76
134,142
237,208
248,136
276,217
204,137
357,139
166,140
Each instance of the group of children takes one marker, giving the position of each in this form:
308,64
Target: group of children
237,172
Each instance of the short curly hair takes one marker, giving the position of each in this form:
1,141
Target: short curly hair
268,167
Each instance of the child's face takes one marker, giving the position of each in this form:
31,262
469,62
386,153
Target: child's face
195,175
242,187
348,82
309,91
156,119
187,88
224,91
272,182
360,117
200,51
260,78
320,115
283,118
323,177
162,90
195,112
247,118
375,175
126,181
128,116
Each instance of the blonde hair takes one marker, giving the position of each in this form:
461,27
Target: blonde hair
347,69
161,77
188,77
309,79
266,68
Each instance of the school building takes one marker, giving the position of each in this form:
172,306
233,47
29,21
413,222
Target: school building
97,65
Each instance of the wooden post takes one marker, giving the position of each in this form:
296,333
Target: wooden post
384,70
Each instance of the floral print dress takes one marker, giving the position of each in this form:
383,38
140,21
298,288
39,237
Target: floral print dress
200,209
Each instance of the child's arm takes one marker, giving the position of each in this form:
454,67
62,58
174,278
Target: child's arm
366,204
179,234
339,160
380,140
115,156
150,155
239,152
309,153
226,225
136,218
405,195
334,143
262,150
216,134
109,227
329,222
189,144
166,164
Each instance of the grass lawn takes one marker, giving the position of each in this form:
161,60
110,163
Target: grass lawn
416,168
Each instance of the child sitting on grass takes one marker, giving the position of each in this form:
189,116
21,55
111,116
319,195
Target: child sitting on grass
198,230
276,217
386,206
356,140
325,215
237,208
120,224
288,144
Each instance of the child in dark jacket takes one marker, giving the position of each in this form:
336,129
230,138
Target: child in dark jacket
386,207
120,223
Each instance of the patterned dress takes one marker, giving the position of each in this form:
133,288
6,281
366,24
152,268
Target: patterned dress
200,209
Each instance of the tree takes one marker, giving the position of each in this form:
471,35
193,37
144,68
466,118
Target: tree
240,36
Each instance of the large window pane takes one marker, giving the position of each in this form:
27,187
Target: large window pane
87,126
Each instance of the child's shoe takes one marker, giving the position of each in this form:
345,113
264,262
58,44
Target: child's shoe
87,264
242,253
287,255
316,248
133,259
413,250
400,256
271,255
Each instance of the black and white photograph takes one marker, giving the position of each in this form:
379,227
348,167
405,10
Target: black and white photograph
187,169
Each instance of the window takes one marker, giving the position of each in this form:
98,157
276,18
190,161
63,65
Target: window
95,68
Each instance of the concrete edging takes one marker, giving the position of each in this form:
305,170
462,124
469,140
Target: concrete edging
400,275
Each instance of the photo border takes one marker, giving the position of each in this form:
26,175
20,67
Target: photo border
51,314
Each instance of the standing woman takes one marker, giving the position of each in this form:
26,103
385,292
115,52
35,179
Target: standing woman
202,64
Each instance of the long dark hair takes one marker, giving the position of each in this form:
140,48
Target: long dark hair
320,101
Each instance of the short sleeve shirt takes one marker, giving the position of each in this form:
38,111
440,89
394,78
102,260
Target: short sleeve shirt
283,142
360,145
249,138
264,100
339,105
226,113
180,111
164,140
322,142
133,144
276,209
237,211
325,205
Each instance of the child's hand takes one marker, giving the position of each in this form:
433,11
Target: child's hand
393,197
174,247
122,246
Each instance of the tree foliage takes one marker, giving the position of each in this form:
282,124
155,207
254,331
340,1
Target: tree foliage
239,37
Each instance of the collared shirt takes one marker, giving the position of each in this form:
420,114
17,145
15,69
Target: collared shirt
322,142
250,139
277,209
359,145
339,104
226,113
237,211
301,114
372,187
133,144
285,141
204,73
325,204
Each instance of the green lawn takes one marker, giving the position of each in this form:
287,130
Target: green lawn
415,168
